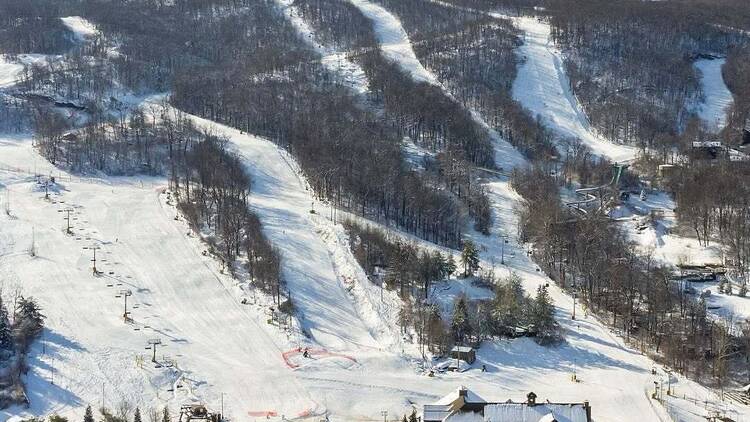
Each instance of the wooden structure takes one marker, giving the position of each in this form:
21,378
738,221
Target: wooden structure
464,353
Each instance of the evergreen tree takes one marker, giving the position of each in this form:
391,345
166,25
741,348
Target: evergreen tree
165,416
509,308
543,316
6,337
27,322
413,416
450,266
57,418
89,415
470,258
460,323
137,416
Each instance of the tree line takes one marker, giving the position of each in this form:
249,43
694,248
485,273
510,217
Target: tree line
19,327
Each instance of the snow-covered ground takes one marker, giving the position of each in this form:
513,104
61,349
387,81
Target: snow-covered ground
81,28
220,346
718,98
615,378
657,237
393,40
542,86
336,61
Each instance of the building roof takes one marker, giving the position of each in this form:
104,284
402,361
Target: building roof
462,349
470,397
546,412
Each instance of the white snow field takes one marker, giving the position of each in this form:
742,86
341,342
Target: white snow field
543,87
616,379
393,40
218,345
397,47
351,73
718,98
81,28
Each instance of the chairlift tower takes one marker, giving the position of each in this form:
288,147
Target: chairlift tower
125,294
67,212
153,344
93,248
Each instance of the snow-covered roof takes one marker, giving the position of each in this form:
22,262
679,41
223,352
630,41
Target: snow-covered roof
470,397
462,349
521,412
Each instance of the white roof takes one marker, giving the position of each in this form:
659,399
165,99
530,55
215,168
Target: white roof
521,412
471,397
462,349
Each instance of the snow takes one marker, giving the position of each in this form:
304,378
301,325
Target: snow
517,412
615,378
543,87
394,41
658,238
336,61
81,28
11,70
718,98
221,346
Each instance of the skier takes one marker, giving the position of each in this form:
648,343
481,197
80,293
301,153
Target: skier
306,353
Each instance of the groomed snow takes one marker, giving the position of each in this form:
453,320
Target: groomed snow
542,86
394,41
336,61
81,28
718,98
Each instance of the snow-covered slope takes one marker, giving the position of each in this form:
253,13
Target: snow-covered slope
718,98
88,351
393,40
543,87
351,73
81,28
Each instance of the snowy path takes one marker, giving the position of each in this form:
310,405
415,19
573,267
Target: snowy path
336,61
543,87
718,98
397,47
282,202
393,40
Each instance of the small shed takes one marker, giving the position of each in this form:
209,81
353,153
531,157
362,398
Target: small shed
465,353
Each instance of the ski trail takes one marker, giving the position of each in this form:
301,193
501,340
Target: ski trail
283,204
718,98
542,86
178,295
336,61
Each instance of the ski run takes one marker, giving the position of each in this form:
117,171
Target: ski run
216,343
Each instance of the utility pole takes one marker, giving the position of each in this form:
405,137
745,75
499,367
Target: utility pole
152,344
125,294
